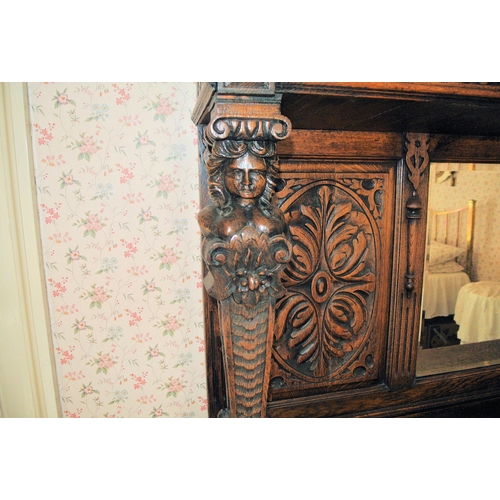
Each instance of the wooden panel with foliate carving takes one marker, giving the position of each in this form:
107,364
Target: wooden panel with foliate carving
331,326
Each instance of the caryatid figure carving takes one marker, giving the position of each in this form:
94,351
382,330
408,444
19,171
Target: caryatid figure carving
245,246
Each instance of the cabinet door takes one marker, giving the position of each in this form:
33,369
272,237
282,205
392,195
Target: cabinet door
331,326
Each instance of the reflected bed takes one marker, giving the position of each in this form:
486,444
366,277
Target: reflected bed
449,259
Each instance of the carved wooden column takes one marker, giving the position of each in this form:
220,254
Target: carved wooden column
245,244
413,200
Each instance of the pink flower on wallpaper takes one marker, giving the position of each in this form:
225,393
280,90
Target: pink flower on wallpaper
60,238
158,412
131,247
75,414
104,362
51,161
143,140
62,99
128,121
98,296
142,337
127,176
52,213
75,375
146,216
154,352
146,399
135,317
163,108
87,147
45,133
138,271
68,180
167,258
92,224
123,93
165,185
170,325
88,390
204,402
66,355
59,286
133,198
140,381
201,341
149,287
67,309
174,386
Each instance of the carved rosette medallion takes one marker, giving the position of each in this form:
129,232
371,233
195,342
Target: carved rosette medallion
323,323
245,249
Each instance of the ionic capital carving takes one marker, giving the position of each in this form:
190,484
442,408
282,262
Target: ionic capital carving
238,129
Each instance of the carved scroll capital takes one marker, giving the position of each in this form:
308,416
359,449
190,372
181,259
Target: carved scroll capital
238,129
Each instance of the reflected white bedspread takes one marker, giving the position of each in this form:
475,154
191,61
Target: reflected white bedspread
478,312
441,292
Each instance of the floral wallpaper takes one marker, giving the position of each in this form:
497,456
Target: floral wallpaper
480,184
116,168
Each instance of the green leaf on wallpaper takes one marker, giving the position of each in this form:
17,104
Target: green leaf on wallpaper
37,109
81,156
121,150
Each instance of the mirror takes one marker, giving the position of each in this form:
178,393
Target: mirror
461,299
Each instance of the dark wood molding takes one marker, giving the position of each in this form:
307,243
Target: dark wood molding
391,90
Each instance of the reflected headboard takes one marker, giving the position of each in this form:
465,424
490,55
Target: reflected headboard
456,228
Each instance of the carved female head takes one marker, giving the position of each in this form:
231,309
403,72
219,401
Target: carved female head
242,171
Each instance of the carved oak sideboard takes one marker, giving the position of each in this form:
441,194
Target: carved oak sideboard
313,222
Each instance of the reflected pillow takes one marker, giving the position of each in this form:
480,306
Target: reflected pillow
446,267
440,253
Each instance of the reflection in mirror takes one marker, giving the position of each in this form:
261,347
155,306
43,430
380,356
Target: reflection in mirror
461,294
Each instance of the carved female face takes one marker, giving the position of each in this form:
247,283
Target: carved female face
246,177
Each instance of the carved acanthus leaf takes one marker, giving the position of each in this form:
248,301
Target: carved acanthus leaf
247,267
329,280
